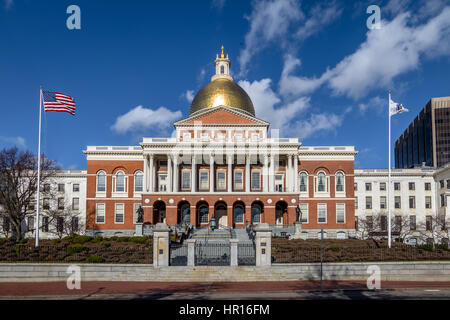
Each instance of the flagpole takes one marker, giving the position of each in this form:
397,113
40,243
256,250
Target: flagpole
389,174
39,173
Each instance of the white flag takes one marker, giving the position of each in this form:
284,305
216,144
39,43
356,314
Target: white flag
396,108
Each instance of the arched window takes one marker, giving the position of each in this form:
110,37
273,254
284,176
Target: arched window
222,69
101,181
340,181
203,214
120,181
303,182
256,213
321,182
138,181
238,214
186,213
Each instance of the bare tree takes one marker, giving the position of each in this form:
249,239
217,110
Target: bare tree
18,182
435,229
62,221
365,227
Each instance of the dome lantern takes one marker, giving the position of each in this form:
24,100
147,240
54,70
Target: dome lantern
222,64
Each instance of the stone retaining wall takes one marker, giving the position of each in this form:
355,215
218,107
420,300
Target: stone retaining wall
390,271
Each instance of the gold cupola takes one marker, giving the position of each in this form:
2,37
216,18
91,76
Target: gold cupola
222,90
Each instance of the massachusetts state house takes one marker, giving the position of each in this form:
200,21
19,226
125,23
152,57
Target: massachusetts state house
223,164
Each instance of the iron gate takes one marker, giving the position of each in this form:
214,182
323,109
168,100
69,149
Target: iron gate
212,254
178,254
246,254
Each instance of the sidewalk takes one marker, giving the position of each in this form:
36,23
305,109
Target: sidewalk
156,290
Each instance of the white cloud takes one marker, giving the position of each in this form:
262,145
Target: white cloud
320,123
269,21
18,141
376,104
219,4
8,4
394,49
189,95
142,118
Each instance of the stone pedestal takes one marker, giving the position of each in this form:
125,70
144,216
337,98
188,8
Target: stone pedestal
234,252
139,229
263,243
191,252
161,245
298,231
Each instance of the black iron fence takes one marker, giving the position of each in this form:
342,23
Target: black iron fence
282,254
246,254
76,253
212,254
178,254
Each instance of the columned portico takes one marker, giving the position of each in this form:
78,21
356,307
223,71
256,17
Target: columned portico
211,173
230,159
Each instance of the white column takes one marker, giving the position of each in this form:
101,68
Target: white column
211,173
175,174
146,174
247,173
169,173
193,174
271,175
296,173
289,174
266,174
154,173
230,159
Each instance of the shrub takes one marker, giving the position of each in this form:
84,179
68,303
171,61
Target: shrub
67,238
141,240
81,239
76,248
95,259
113,238
335,249
426,247
106,244
97,239
443,246
150,248
22,241
56,240
123,239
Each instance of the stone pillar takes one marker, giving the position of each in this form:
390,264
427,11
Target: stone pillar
247,173
211,173
296,173
234,252
139,232
175,174
266,174
161,245
191,252
263,242
230,159
169,174
193,174
248,214
193,214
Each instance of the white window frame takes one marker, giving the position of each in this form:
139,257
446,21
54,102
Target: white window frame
342,205
78,204
304,192
243,214
100,193
259,179
326,192
339,193
218,186
137,173
283,187
115,213
323,205
199,216
162,182
125,185
241,171
200,187
97,205
183,180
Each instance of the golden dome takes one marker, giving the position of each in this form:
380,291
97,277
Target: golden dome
222,91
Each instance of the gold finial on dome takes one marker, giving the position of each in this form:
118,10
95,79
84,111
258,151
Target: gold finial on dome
222,56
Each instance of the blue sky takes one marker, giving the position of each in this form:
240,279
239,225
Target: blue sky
313,69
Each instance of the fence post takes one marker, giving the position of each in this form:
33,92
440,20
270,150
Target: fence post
263,243
191,252
161,245
234,252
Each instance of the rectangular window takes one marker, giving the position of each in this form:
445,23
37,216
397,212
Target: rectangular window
397,186
443,204
75,204
60,224
368,202
383,223
340,212
100,213
429,223
46,187
356,202
321,213
74,225
61,187
382,186
397,202
221,180
185,179
60,203
441,183
30,224
427,202
162,180
382,202
120,183
119,213
412,222
369,222
411,186
279,182
256,180
398,222
238,182
412,202
45,224
101,183
138,182
368,186
356,224
355,186
76,187
304,218
204,180
46,204
162,163
427,186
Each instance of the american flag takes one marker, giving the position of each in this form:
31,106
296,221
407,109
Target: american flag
56,101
